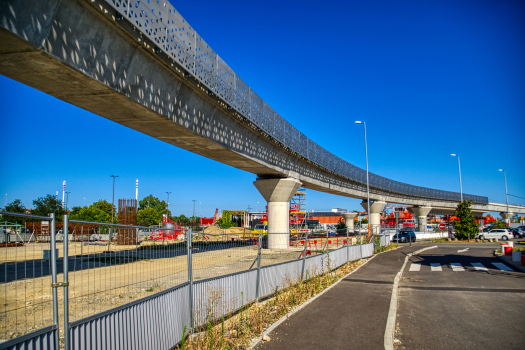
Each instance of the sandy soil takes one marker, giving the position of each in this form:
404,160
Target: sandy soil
99,283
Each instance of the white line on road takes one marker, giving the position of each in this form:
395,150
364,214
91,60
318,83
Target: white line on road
502,266
463,250
415,267
457,267
435,267
479,267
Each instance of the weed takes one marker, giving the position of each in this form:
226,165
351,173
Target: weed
149,290
237,331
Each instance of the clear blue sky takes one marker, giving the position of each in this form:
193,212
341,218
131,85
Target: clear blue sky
430,78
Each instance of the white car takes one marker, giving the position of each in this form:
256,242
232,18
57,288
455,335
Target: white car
499,233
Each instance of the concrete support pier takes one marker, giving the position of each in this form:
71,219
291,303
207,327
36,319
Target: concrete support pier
506,217
349,220
278,193
374,217
421,213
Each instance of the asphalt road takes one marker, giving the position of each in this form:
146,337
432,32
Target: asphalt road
461,300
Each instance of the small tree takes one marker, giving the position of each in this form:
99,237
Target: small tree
466,227
15,207
341,226
47,205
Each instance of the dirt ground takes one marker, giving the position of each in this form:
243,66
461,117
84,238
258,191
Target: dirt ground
97,285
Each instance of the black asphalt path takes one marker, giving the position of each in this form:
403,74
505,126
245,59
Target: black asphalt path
352,315
468,309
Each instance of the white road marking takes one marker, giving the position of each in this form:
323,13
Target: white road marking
435,267
479,267
464,250
456,267
415,267
502,266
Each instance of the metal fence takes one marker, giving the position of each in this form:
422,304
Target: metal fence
140,292
175,37
28,297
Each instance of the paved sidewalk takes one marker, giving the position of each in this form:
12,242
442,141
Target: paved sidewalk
352,315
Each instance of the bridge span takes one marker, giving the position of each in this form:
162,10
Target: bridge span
142,65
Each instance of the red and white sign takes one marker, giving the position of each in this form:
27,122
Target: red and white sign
442,226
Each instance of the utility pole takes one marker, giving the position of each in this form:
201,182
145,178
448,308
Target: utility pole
168,206
194,200
113,200
460,184
67,199
506,195
367,178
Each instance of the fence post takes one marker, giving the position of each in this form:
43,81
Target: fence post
360,244
304,254
190,276
347,246
65,231
258,269
52,236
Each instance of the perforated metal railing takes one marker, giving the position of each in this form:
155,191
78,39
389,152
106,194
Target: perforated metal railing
173,35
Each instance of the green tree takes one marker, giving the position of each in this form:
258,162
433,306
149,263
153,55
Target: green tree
15,206
153,202
499,224
98,212
148,217
466,227
74,211
47,205
341,226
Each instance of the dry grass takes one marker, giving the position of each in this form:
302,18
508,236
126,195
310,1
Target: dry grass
239,330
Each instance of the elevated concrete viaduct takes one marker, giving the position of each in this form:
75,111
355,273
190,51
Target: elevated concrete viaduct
87,53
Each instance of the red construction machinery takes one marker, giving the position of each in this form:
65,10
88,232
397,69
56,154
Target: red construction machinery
170,230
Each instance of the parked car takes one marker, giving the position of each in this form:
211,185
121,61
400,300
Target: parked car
518,233
499,233
404,236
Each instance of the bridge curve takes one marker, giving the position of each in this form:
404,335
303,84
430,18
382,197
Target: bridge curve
174,36
121,64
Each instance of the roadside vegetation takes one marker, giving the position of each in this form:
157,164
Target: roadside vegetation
237,331
466,227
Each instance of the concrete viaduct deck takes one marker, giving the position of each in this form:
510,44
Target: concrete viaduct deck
102,56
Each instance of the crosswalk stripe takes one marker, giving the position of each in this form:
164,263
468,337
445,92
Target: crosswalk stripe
479,267
457,267
502,266
415,267
435,267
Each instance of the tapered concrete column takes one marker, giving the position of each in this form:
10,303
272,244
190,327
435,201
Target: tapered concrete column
349,220
421,213
374,217
506,217
278,193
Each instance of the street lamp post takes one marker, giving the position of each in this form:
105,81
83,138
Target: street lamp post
168,206
367,178
113,200
194,200
67,199
460,185
506,193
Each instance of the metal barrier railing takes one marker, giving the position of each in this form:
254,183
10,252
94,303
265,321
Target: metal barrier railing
100,267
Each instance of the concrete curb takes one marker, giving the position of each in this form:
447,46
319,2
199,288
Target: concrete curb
391,319
285,317
511,263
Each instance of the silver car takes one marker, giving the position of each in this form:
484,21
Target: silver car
500,233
